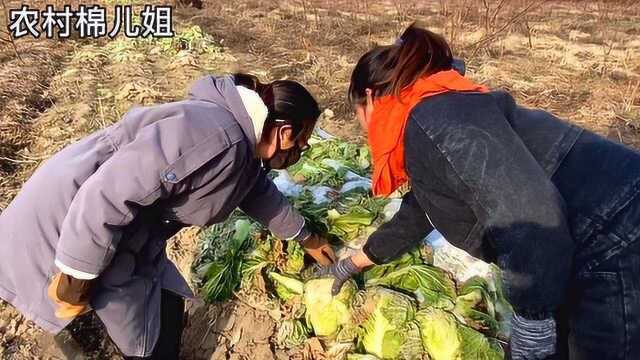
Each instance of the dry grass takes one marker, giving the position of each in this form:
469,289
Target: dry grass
562,57
578,59
24,94
100,82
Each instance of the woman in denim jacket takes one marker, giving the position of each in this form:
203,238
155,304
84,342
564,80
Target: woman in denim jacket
554,205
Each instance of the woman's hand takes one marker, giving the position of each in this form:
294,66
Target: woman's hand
344,270
319,249
70,295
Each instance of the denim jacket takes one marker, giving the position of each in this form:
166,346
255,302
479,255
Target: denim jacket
514,186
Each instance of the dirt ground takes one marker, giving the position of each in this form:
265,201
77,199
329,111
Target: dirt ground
580,60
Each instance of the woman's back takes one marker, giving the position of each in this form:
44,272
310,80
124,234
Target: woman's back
596,177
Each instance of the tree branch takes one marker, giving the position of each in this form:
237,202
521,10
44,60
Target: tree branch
11,40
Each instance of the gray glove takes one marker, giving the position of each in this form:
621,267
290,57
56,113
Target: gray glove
342,271
532,339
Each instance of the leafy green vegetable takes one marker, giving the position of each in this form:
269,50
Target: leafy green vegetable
313,172
408,308
292,333
388,327
362,357
258,260
364,158
476,305
216,239
378,271
475,291
412,347
295,258
347,226
325,313
477,346
355,158
439,331
224,274
503,309
328,161
286,287
431,286
314,214
361,198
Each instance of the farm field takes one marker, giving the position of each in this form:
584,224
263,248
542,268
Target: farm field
577,59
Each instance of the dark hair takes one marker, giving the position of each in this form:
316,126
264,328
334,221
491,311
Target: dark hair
286,100
389,69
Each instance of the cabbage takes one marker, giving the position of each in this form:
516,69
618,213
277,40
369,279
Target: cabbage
478,347
224,274
412,347
362,357
378,271
325,313
504,310
347,226
408,309
312,172
286,287
295,258
476,304
257,261
292,333
439,331
315,215
389,329
431,286
354,157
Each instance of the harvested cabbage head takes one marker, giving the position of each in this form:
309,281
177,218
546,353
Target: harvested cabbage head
347,226
439,331
292,333
475,305
286,287
325,313
295,258
362,357
431,286
412,348
477,346
388,330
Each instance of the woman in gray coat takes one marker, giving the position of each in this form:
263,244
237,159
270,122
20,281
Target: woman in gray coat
88,230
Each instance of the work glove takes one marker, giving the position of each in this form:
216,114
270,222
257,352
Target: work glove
341,271
319,249
532,339
70,295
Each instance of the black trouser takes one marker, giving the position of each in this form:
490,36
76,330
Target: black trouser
171,325
73,342
601,319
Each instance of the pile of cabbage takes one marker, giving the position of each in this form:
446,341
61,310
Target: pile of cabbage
407,309
402,310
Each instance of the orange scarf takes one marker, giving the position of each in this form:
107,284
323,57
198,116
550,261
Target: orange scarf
389,119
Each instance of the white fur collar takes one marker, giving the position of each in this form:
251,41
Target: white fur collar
256,109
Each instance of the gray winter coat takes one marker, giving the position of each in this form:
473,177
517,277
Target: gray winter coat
107,204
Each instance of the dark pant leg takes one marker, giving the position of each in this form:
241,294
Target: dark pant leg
604,310
171,325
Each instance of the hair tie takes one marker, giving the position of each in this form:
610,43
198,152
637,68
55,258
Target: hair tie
399,41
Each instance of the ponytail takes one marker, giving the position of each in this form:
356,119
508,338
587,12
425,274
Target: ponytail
252,82
387,70
285,100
